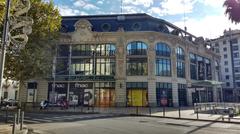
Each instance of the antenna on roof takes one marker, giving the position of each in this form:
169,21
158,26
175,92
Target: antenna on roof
184,17
121,6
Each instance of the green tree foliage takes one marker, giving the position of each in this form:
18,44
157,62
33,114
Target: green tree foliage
35,60
232,10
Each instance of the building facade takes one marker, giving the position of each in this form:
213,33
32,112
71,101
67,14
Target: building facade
228,46
128,60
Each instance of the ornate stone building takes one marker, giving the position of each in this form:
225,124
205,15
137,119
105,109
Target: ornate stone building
128,60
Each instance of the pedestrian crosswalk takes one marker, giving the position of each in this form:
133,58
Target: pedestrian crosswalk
31,119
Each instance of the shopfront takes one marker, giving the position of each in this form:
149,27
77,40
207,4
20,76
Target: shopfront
137,94
60,92
182,94
105,94
164,94
81,94
202,95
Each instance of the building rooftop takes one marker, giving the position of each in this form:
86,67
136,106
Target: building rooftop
129,22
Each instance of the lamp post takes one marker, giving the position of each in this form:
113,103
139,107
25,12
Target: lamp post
94,71
4,43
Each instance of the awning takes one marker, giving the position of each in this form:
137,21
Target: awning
206,83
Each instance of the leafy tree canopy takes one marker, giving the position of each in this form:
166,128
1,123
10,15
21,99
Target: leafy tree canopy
35,60
232,10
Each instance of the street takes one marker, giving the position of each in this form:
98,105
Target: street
110,124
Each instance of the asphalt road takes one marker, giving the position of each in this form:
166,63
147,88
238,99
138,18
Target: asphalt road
109,124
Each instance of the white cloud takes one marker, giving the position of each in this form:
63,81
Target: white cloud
100,2
132,9
212,3
174,7
145,3
155,10
85,5
209,26
67,11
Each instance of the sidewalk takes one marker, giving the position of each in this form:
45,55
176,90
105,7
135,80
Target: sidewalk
7,129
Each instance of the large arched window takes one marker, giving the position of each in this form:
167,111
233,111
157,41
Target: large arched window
163,60
193,66
137,48
180,53
163,49
137,65
180,62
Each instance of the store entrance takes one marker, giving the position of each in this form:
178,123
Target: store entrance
137,97
81,94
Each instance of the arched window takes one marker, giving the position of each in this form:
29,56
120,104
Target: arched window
163,60
137,48
180,53
163,49
180,62
137,65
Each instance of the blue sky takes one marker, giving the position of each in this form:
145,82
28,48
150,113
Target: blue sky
202,17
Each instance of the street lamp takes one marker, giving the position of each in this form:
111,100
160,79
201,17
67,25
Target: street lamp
16,27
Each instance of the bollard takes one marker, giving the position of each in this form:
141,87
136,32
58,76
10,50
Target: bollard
150,111
179,112
92,109
22,120
197,114
6,117
137,110
14,124
18,116
163,111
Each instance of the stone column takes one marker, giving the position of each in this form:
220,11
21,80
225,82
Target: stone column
215,94
120,77
189,96
175,94
151,75
42,90
152,93
120,89
174,78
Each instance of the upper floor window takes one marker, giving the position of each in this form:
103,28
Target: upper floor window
235,48
224,42
224,49
163,49
180,53
234,41
82,50
105,50
236,55
137,48
193,58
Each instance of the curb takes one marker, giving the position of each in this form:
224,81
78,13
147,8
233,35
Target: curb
233,122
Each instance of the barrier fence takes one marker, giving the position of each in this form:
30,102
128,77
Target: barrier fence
226,112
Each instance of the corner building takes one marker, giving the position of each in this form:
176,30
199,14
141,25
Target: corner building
127,60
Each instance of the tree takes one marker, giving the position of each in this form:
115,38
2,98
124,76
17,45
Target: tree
232,10
35,60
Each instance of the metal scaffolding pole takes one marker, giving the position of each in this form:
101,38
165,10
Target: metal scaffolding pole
4,43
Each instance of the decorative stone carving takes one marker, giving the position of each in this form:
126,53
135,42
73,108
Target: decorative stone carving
151,38
83,31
